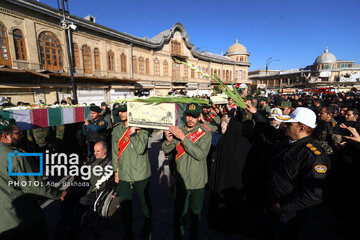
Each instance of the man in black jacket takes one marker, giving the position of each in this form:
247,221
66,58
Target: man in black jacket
299,176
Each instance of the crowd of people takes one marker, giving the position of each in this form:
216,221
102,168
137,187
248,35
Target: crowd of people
266,168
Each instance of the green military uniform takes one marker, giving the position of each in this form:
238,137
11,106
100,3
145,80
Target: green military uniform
323,134
106,114
20,212
265,109
133,168
115,114
214,124
190,177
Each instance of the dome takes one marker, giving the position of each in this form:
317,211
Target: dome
326,57
236,48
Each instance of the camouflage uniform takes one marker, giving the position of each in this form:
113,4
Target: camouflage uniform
60,132
323,134
40,136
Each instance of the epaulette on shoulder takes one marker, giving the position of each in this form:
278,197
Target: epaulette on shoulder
313,149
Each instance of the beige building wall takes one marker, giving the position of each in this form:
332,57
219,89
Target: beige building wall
32,25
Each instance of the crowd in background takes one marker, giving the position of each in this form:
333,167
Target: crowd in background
242,158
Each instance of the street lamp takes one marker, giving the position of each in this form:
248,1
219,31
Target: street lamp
270,60
69,27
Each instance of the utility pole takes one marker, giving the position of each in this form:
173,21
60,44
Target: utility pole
68,27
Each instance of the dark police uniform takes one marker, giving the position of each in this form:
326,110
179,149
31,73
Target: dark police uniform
298,183
94,132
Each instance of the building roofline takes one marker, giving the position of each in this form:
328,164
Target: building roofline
154,44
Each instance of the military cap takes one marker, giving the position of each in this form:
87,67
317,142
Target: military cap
285,104
193,109
92,104
6,122
122,107
95,108
263,99
249,97
103,104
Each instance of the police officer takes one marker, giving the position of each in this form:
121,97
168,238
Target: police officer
94,130
21,216
192,143
132,169
299,177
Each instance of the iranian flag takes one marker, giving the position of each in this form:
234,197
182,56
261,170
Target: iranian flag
46,117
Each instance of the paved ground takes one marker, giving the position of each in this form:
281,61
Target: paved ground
162,202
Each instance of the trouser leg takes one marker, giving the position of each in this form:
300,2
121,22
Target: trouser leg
142,190
180,209
196,200
125,195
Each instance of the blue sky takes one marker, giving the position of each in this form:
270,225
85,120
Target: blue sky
296,32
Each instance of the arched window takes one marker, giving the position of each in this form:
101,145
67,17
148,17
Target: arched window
134,65
97,59
19,43
86,52
156,67
141,65
212,72
111,61
231,76
176,71
76,55
227,75
147,66
166,68
239,75
50,51
215,72
236,76
241,59
123,62
4,45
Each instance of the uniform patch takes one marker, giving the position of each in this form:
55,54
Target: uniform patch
101,123
313,148
309,145
317,153
320,168
192,107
